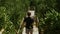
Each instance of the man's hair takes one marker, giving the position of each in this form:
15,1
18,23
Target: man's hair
28,13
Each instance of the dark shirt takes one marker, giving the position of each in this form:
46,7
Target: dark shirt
29,21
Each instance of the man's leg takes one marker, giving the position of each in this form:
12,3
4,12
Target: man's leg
31,31
27,31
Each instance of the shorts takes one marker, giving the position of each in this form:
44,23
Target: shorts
29,31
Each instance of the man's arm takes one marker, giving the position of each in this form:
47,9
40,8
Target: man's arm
37,21
22,24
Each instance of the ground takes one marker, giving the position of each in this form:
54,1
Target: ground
35,30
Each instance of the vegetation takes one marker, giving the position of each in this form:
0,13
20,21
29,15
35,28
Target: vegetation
13,11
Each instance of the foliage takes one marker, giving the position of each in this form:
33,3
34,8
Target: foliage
13,11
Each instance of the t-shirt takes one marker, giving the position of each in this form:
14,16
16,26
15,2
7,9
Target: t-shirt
29,21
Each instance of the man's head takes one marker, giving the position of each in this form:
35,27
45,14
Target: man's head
28,13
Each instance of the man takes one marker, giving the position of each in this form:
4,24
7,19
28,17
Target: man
28,21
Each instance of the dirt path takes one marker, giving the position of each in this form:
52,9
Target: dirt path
1,31
35,30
